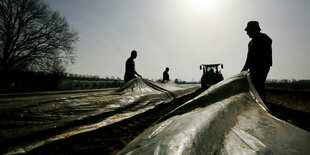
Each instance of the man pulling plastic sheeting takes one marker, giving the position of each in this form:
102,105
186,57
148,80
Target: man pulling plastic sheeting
259,57
228,118
130,71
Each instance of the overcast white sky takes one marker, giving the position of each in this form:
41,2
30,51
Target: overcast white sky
182,34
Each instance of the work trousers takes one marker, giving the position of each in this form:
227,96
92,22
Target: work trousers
259,76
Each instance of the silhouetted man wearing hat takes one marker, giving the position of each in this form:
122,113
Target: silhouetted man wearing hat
259,57
130,71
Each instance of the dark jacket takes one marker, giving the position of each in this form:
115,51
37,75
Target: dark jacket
165,76
129,69
259,53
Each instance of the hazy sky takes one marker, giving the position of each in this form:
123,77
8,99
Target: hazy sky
182,34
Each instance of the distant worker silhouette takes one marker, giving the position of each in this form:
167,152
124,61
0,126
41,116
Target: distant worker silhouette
130,67
259,57
166,75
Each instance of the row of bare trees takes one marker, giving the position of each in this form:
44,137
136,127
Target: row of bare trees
34,38
287,81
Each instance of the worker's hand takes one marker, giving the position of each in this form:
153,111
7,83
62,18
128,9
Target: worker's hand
244,69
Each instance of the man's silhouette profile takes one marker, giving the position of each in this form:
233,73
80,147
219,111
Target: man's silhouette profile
259,57
130,71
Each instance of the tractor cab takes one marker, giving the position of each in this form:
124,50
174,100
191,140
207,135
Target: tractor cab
211,74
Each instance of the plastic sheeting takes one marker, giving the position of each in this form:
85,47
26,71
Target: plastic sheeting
30,121
228,118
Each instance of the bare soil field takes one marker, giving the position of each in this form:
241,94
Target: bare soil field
290,102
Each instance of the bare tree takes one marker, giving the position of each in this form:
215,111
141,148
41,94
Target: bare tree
32,36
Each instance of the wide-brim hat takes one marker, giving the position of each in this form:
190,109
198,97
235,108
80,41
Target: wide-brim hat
252,25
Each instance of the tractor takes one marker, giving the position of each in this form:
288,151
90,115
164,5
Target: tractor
211,74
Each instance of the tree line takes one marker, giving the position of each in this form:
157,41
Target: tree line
36,44
288,81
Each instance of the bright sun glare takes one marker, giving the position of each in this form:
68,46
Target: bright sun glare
200,5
